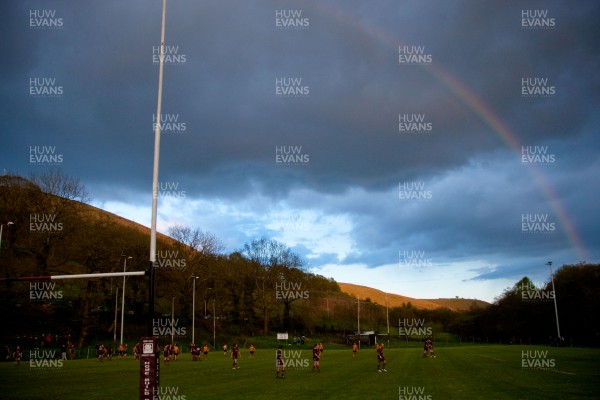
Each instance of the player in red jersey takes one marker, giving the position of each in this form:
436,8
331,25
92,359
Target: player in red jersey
100,352
235,352
193,351
167,353
192,348
430,348
72,351
196,353
17,355
316,358
136,351
380,358
279,364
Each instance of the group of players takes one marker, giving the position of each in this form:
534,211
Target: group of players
197,350
381,361
108,351
317,352
172,351
17,355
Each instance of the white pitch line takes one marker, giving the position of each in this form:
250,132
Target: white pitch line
479,355
563,372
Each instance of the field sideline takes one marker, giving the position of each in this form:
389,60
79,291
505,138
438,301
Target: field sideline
470,372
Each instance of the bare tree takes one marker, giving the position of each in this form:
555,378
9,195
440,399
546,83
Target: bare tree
273,258
58,184
271,253
55,210
204,242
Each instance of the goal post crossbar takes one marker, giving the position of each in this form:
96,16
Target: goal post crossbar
74,276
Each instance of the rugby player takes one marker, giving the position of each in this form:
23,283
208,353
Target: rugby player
235,352
279,364
316,358
380,358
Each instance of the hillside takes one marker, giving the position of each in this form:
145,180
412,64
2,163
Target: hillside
376,296
98,213
395,300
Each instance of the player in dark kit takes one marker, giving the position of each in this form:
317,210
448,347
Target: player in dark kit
136,351
192,348
380,358
196,353
425,348
316,358
167,353
100,352
279,364
17,355
430,350
235,352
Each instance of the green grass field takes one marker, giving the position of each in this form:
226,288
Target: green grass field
469,372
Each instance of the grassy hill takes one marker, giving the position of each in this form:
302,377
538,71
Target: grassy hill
376,296
395,300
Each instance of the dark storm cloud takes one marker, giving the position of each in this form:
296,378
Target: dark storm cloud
225,89
224,93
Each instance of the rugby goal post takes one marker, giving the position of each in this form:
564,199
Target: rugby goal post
74,276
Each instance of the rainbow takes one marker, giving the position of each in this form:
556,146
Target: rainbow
482,110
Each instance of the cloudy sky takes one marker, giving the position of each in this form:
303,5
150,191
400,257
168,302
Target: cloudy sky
426,148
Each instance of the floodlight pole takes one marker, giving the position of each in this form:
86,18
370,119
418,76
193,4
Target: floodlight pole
214,325
172,319
194,277
387,317
123,297
2,226
116,307
549,264
358,315
157,130
358,319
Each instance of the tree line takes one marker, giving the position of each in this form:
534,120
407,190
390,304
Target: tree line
258,290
